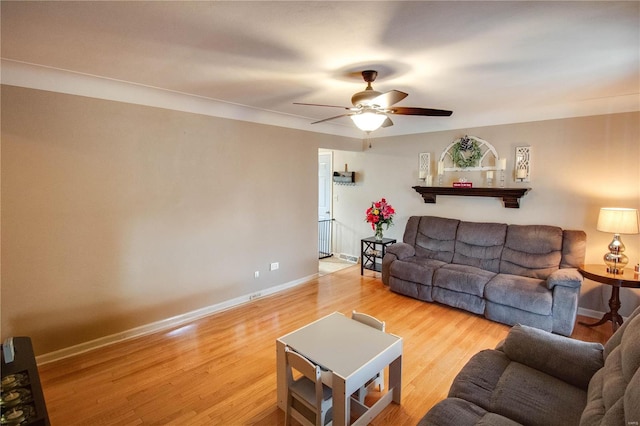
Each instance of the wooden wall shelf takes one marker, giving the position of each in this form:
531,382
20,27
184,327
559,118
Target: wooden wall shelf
510,196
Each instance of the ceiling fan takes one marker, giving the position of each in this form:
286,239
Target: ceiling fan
370,108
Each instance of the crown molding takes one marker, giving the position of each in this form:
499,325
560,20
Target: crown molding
32,76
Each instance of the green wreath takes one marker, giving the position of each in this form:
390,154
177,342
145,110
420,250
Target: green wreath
466,152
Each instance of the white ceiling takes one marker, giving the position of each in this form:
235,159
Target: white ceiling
490,62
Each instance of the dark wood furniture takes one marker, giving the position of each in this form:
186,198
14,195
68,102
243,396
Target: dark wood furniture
371,255
510,196
23,400
599,274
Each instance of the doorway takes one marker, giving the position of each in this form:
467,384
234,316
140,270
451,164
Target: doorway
324,204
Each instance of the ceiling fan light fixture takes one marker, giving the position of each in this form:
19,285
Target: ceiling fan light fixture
370,107
368,121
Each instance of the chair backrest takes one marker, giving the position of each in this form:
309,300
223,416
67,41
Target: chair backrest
302,364
368,320
309,370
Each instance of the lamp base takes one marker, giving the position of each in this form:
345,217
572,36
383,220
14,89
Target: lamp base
615,259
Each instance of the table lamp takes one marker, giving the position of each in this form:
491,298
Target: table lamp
618,221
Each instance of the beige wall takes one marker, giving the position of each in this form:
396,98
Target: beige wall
116,215
578,166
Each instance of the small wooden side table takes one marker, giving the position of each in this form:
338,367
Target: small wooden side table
372,251
599,273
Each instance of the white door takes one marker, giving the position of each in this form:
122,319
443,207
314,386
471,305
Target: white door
324,185
324,204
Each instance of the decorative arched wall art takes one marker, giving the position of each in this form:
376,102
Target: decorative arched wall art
468,153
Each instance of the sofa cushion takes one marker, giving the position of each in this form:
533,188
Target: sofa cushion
512,316
493,419
565,277
411,289
574,246
415,269
411,230
479,377
460,412
527,294
453,411
499,385
462,278
480,245
529,396
614,390
532,250
616,339
631,398
466,301
435,238
596,412
565,309
571,360
401,250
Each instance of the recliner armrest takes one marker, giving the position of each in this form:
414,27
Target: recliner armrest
401,250
571,360
566,277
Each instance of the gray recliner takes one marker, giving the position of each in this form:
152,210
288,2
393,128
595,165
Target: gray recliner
538,378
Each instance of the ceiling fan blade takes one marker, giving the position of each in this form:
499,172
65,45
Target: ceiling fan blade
387,123
420,111
389,98
332,118
330,106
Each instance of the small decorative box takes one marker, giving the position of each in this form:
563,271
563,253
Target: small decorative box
463,184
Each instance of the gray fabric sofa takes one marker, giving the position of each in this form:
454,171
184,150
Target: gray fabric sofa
513,274
537,378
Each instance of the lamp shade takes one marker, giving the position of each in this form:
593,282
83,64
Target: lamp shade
368,121
618,220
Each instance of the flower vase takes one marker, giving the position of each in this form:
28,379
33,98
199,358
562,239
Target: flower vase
378,234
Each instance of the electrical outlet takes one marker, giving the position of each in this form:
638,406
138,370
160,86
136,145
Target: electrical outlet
256,274
274,266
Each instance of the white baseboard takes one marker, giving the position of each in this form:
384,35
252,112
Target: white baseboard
165,323
590,313
192,316
595,314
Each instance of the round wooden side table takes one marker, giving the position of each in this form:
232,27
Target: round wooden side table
599,273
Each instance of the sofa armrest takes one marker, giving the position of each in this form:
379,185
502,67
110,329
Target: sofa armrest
570,360
566,277
401,250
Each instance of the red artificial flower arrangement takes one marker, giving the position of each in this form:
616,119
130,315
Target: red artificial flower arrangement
380,213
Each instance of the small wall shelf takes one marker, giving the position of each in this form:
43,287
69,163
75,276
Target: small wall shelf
344,178
510,196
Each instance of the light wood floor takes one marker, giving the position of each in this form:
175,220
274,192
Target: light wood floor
221,370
